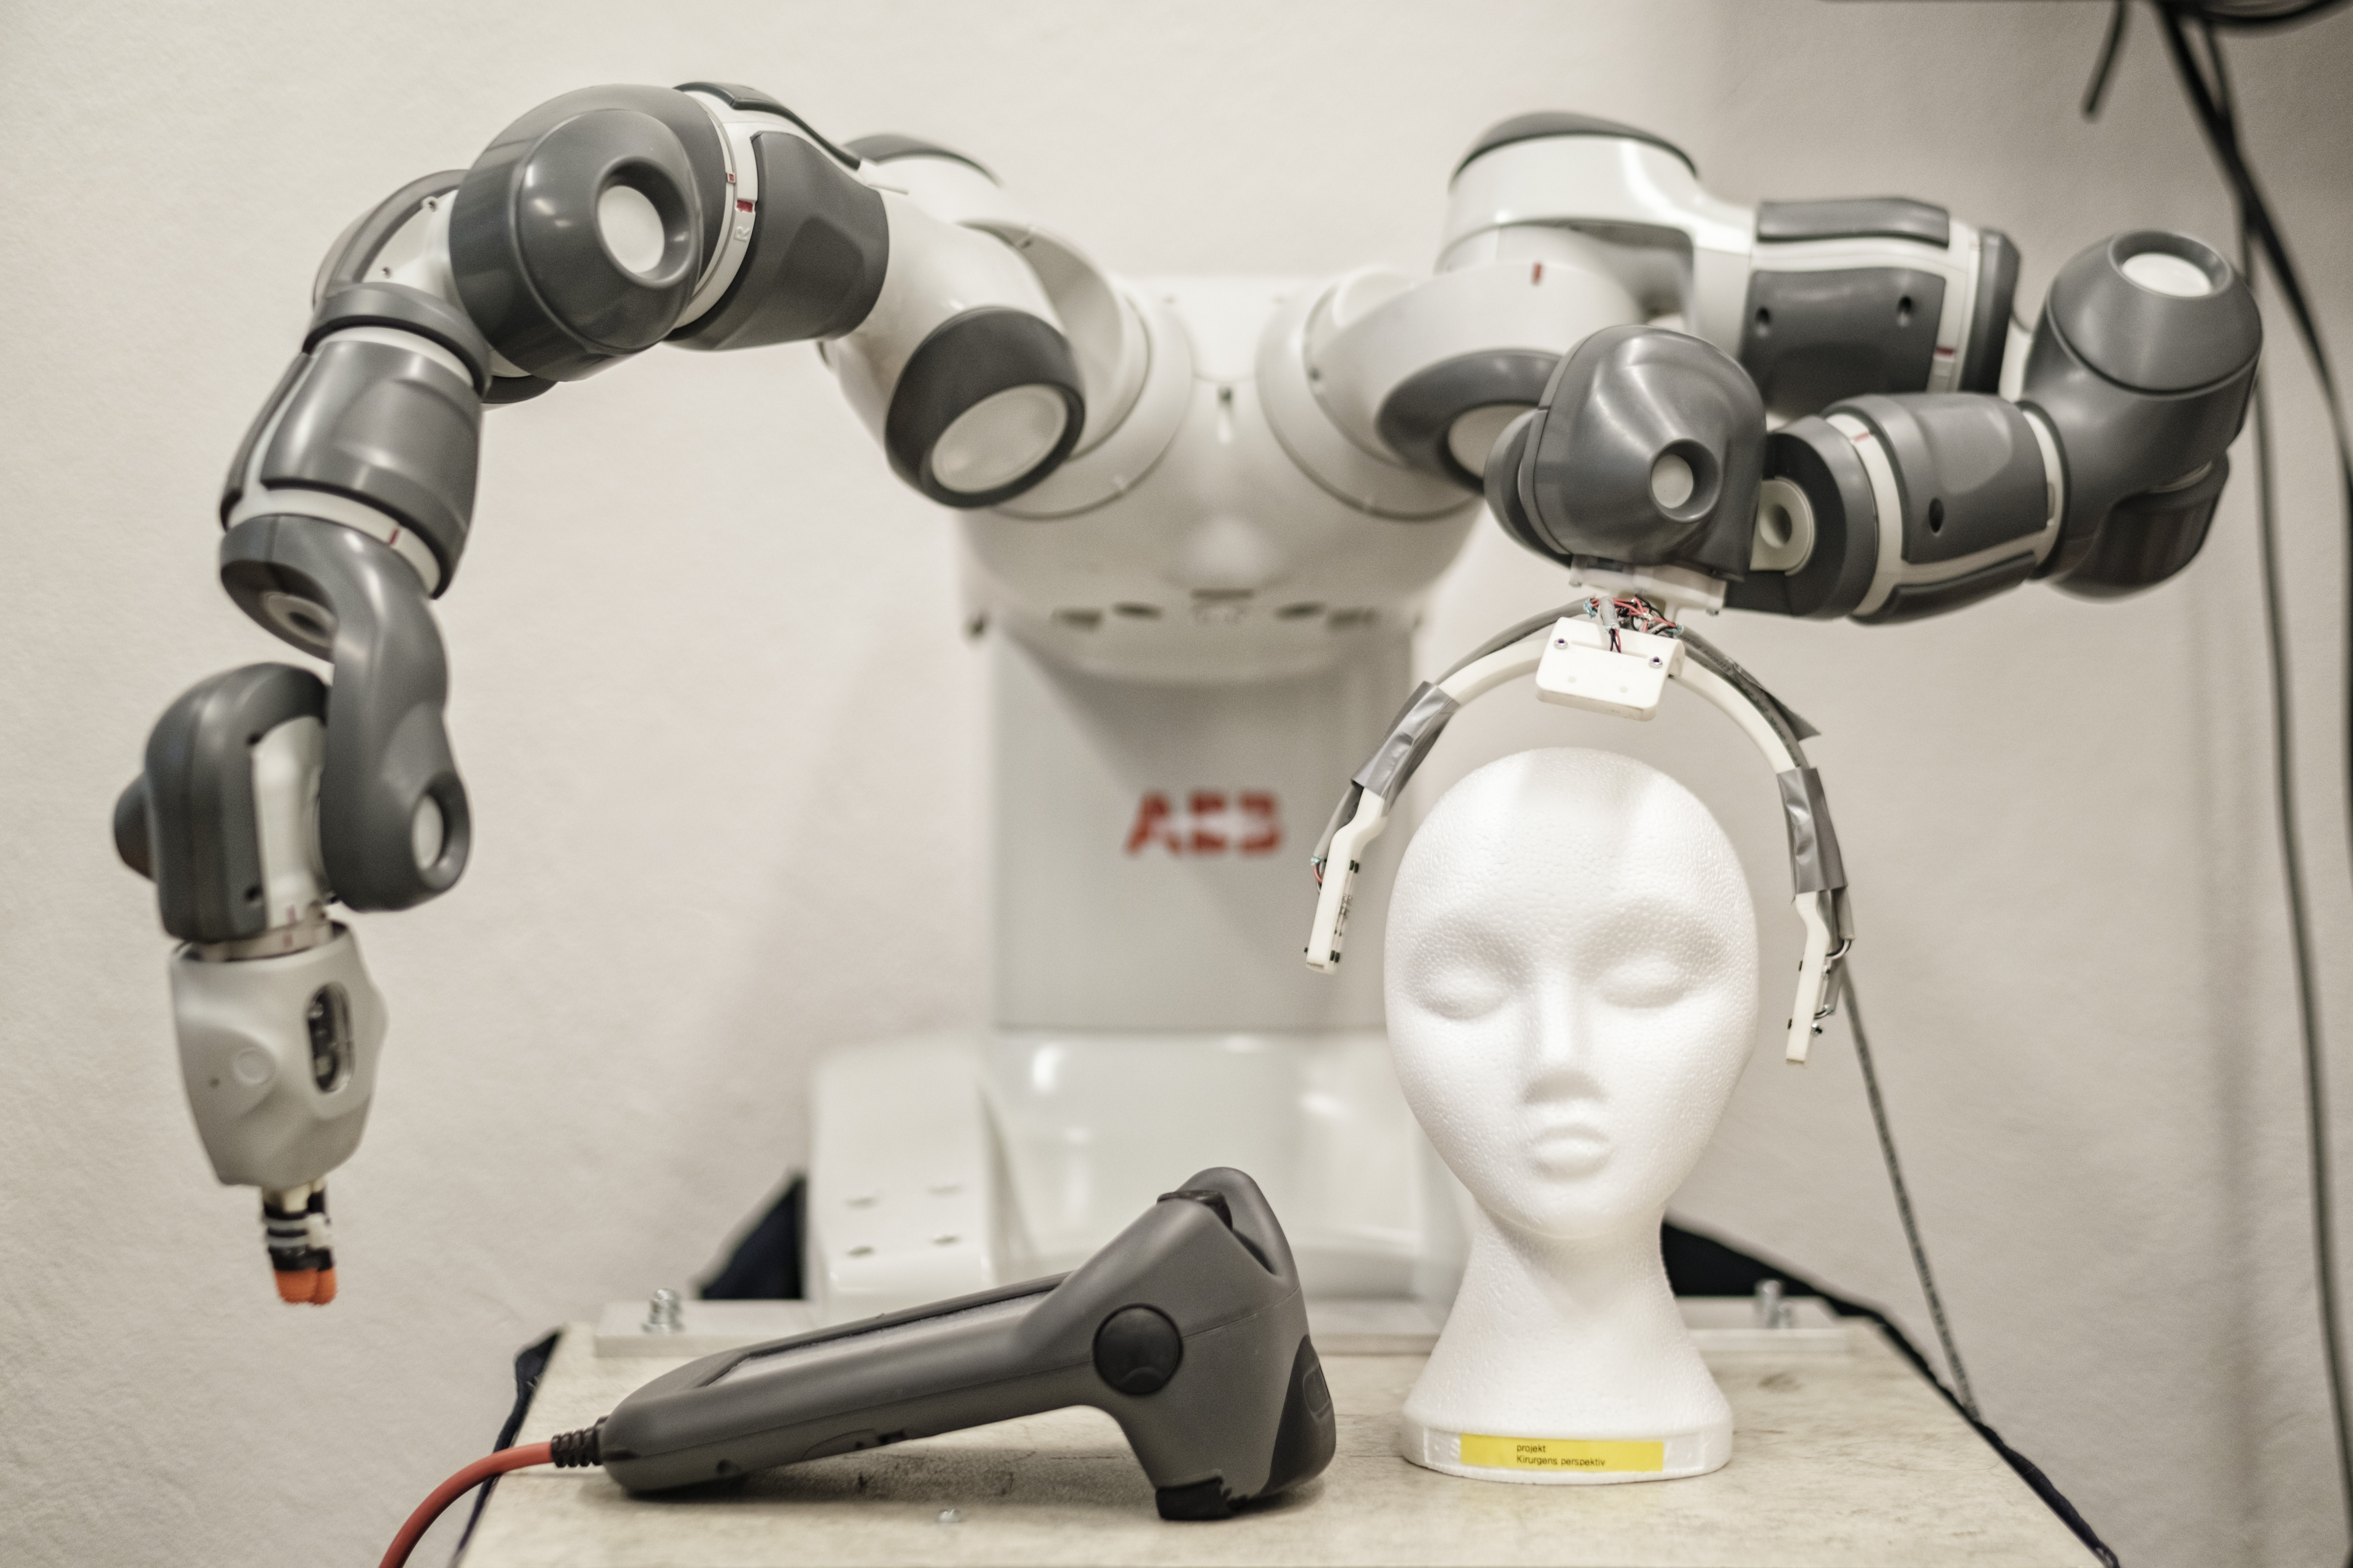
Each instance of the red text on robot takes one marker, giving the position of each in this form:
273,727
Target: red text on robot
1211,822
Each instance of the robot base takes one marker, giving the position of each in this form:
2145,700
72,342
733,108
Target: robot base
948,1163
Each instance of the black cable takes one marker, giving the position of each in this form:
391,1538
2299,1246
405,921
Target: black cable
2316,1092
2097,88
1967,1400
529,1366
2259,236
2253,15
2315,1087
2254,210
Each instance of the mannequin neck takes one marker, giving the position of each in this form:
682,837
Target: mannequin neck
1607,1285
1573,1339
1589,1327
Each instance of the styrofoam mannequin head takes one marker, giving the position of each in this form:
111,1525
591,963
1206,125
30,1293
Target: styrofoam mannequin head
1572,986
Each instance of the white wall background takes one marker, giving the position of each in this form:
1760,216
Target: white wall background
715,713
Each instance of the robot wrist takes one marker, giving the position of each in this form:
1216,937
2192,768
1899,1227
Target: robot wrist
2143,363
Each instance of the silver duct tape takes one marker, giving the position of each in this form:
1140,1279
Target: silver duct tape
1815,865
1409,739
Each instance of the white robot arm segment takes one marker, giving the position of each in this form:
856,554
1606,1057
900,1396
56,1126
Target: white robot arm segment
1562,225
1429,373
961,370
1818,299
1106,338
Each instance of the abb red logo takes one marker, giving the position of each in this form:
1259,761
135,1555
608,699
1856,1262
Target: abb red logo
1212,823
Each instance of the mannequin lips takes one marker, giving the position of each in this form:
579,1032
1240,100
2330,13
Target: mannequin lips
1564,1144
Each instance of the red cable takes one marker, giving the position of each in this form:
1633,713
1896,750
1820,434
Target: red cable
456,1487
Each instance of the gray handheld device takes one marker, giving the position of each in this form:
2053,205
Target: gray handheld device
1187,1328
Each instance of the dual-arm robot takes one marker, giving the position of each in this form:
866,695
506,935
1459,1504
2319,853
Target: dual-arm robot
1181,502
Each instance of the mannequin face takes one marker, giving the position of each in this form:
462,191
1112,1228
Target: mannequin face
1571,983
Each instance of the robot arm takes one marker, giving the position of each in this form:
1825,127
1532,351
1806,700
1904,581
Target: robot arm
1647,465
1874,332
614,218
596,226
259,804
1559,225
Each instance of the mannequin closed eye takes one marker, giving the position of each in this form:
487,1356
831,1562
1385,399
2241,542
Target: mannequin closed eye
1644,980
1462,985
1649,957
1633,980
1641,957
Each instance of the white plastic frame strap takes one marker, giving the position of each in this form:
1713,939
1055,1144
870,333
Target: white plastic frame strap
1345,858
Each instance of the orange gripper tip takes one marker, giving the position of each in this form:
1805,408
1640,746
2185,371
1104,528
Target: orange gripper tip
298,1286
325,1292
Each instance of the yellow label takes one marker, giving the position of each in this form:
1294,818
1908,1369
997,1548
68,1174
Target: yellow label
1561,1453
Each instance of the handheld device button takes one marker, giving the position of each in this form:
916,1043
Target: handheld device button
1137,1350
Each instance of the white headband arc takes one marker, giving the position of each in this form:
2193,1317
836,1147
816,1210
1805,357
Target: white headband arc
1590,655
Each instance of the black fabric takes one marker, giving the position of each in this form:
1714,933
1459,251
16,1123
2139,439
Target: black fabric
529,1366
1700,1265
766,1264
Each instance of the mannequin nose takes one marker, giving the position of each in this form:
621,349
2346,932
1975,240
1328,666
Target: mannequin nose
1563,1022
